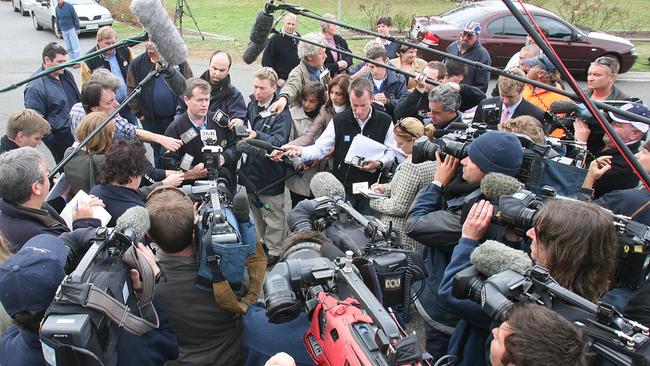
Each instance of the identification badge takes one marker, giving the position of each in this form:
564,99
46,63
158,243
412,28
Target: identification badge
359,186
265,114
186,162
323,75
188,135
209,136
346,138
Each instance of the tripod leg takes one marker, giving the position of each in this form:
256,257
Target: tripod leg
189,11
178,15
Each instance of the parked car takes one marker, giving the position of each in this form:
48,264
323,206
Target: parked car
503,36
92,16
23,6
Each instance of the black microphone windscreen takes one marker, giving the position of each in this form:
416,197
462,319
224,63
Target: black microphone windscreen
261,144
136,218
154,18
493,257
563,106
176,81
240,207
331,251
258,37
253,151
495,185
326,184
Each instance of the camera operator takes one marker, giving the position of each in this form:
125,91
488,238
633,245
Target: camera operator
632,202
263,339
23,211
207,333
619,175
197,128
533,335
29,281
509,104
434,221
575,241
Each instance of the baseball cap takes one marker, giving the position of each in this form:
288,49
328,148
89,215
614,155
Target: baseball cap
542,61
636,108
29,279
473,28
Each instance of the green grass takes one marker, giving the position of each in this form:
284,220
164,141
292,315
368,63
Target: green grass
233,19
642,63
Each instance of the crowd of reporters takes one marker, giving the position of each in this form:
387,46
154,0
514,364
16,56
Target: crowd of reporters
309,108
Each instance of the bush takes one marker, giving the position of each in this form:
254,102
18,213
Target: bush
373,11
402,21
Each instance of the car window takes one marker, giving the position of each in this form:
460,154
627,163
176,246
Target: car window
556,28
507,26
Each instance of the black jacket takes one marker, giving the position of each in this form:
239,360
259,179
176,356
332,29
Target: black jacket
332,64
620,176
19,224
123,55
281,54
628,202
524,108
139,68
477,77
275,129
117,199
6,144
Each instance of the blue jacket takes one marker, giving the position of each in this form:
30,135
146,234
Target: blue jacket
274,129
394,89
66,17
20,347
45,96
427,210
468,342
476,77
227,98
628,202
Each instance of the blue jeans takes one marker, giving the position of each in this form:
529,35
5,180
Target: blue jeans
71,42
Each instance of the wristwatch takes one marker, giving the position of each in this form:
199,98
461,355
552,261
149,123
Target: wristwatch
436,183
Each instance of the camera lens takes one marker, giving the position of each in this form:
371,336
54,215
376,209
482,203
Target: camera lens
424,150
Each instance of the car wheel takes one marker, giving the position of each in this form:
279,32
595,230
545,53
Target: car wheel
55,29
22,10
35,22
13,5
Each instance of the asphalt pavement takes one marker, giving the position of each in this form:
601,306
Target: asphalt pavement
20,56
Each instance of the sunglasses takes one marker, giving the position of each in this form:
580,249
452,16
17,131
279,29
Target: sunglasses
606,61
403,128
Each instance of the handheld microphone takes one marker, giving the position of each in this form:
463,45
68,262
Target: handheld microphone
174,79
259,34
155,20
253,151
493,257
326,184
240,207
136,218
495,185
563,106
264,145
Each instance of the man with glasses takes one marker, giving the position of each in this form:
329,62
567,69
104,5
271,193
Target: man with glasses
52,96
197,128
470,48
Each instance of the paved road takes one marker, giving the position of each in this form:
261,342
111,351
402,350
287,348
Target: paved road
20,56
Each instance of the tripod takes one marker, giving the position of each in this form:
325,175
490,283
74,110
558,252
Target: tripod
178,15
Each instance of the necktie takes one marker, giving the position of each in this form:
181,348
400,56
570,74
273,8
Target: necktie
504,115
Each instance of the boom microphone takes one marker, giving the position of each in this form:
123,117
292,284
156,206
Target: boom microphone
259,34
136,218
264,145
162,32
326,184
563,106
495,185
240,207
493,257
249,149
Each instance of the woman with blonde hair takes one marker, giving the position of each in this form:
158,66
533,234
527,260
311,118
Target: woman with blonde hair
82,170
408,179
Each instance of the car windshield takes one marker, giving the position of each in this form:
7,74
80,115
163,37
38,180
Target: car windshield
81,2
459,17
